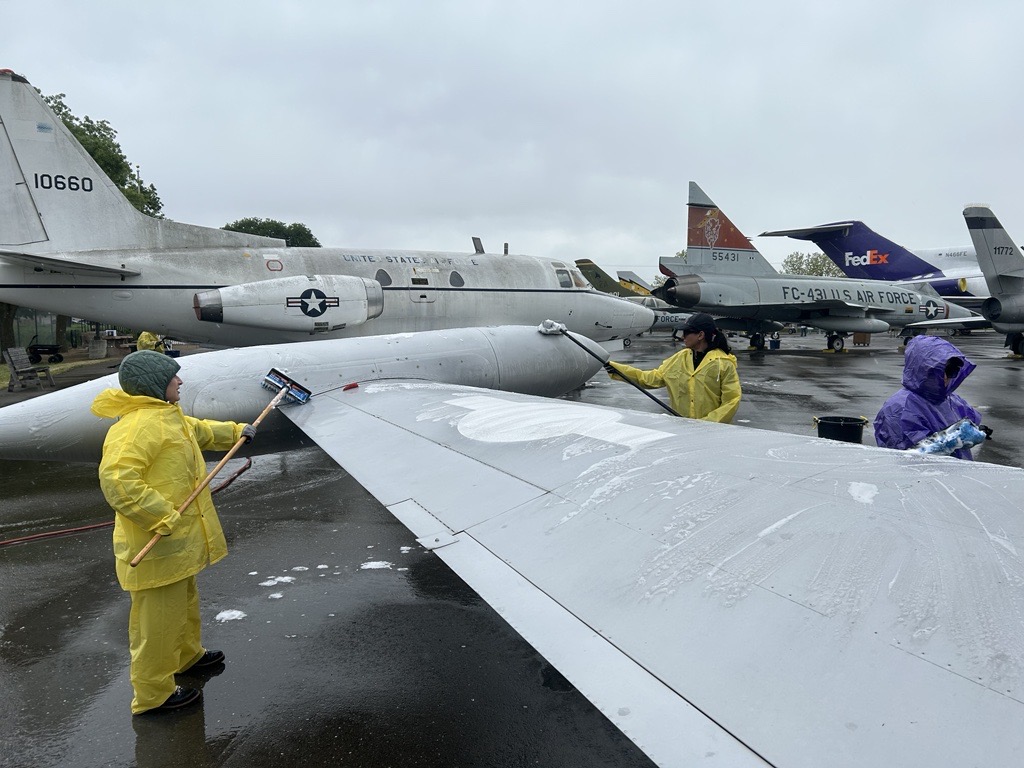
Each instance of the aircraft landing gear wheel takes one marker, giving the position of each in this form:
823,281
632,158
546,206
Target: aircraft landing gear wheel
626,342
836,343
757,341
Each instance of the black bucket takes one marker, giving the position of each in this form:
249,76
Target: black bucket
849,429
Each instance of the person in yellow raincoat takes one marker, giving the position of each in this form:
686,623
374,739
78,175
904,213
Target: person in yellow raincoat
148,340
152,461
701,378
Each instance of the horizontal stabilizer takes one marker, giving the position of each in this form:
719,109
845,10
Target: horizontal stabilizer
64,266
808,233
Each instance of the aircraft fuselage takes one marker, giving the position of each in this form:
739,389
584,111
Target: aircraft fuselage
422,290
832,304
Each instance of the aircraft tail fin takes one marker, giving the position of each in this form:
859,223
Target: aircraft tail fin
861,252
1000,259
601,280
714,244
55,198
632,282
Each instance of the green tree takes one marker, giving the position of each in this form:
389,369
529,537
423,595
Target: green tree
100,141
295,235
810,264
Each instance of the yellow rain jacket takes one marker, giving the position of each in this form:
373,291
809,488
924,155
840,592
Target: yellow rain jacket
712,392
152,461
148,340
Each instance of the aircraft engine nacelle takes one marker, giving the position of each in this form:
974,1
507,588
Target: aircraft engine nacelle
692,291
304,303
1009,309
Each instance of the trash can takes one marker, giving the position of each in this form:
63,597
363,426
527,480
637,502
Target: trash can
774,343
849,429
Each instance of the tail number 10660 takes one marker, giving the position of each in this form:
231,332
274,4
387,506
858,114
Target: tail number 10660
59,181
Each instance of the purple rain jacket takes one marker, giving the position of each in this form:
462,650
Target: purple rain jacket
926,403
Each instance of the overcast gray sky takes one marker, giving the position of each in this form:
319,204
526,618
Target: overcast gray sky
567,129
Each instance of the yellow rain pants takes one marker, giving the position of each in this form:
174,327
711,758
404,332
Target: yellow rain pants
164,638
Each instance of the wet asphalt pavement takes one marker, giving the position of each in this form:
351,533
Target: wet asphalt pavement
356,646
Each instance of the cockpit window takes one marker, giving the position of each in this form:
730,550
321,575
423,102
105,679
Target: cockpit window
569,278
382,277
563,278
579,280
455,280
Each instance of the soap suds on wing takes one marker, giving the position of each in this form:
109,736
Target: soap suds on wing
863,492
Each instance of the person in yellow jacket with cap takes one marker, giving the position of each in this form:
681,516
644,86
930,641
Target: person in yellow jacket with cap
152,461
701,379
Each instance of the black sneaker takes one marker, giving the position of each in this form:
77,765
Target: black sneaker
206,661
182,697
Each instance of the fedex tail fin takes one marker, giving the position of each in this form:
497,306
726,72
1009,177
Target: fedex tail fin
714,244
54,198
1000,259
861,252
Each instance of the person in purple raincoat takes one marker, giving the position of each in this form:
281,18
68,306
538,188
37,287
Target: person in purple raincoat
928,402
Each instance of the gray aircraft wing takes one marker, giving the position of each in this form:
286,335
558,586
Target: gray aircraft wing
725,595
975,323
64,266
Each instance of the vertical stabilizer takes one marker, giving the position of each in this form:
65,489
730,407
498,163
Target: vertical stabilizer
714,244
631,281
861,252
55,198
1000,259
601,280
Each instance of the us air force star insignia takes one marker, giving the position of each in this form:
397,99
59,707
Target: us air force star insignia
313,302
930,309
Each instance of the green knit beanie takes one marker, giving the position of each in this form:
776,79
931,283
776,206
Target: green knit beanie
147,373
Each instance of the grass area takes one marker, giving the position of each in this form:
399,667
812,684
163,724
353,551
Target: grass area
76,358
55,369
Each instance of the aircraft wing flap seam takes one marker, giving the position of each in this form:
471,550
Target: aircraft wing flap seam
436,541
458,564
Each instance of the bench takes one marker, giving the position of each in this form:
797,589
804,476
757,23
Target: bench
22,369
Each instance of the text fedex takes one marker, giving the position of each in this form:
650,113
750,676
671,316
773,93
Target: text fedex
871,257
